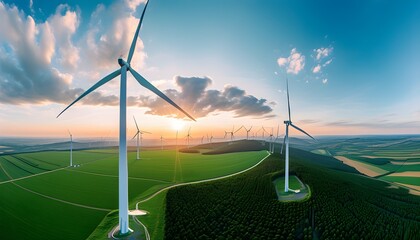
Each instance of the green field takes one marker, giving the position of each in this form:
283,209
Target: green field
69,203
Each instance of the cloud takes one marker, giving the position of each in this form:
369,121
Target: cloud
64,24
195,97
323,52
39,60
327,63
111,30
316,69
325,81
294,63
26,54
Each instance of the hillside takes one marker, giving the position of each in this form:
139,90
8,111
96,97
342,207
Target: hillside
343,206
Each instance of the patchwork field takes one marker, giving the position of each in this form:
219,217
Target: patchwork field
43,198
394,159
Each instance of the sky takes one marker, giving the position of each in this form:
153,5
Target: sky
353,67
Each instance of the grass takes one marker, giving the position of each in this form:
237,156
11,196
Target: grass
28,216
293,184
33,214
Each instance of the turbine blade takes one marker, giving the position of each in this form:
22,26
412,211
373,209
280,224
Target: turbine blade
136,124
145,132
133,44
238,129
250,129
288,101
152,88
91,89
136,135
299,129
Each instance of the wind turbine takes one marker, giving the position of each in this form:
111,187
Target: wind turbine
247,132
161,142
231,134
263,131
286,140
270,145
209,139
275,140
188,138
202,140
139,133
123,171
71,149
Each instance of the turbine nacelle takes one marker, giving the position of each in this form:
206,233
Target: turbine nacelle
287,122
122,63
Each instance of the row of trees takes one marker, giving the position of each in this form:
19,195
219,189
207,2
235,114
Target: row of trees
343,206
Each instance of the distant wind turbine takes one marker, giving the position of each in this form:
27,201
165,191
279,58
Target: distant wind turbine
270,145
139,133
161,142
263,131
286,140
123,171
247,131
188,138
232,133
275,140
71,149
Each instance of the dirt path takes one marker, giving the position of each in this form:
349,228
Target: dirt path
115,176
33,175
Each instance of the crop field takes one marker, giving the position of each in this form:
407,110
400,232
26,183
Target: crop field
48,200
380,157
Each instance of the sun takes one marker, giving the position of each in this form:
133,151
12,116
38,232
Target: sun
177,124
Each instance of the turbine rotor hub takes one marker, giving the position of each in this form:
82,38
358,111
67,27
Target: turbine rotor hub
122,62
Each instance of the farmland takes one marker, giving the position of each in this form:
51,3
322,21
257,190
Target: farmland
394,159
48,200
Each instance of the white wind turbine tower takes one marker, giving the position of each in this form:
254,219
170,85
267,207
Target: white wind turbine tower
71,149
286,140
139,133
123,171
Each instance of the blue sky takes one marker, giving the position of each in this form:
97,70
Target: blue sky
352,66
